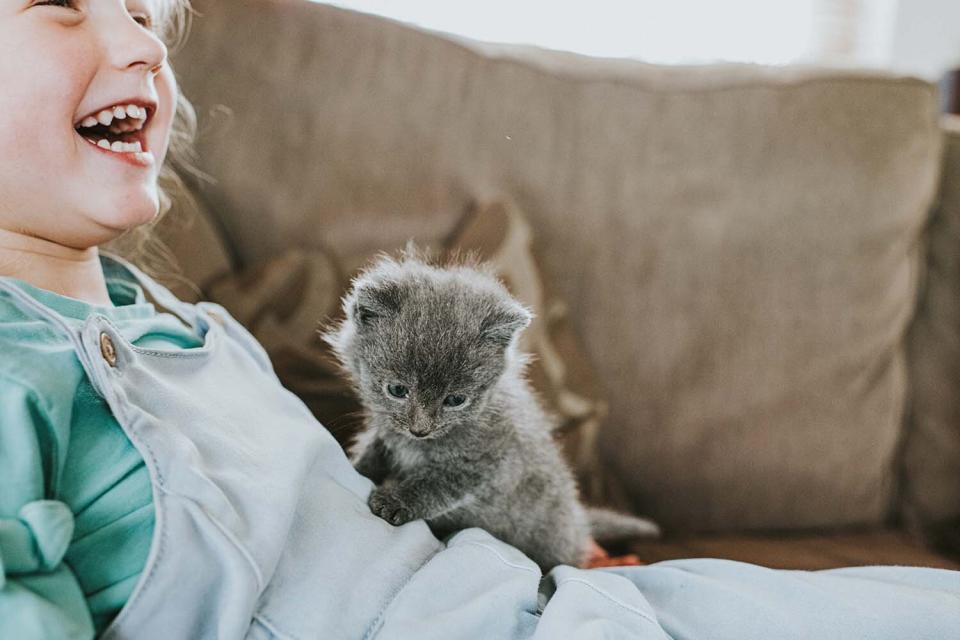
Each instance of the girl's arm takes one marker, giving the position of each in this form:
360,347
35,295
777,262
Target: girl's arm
39,595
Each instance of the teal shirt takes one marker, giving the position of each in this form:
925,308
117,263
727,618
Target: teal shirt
60,442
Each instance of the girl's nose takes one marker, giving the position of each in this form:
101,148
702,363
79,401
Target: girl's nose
133,47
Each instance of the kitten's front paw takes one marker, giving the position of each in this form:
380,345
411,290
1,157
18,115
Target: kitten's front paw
386,504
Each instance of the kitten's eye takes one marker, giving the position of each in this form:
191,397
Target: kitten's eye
454,400
398,391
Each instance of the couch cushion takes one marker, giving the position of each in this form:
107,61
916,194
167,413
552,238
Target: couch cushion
738,244
931,461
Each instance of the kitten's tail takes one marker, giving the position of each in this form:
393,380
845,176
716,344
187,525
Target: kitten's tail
608,526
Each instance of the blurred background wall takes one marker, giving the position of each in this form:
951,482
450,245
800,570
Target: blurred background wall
917,37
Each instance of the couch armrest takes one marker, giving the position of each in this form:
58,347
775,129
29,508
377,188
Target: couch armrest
931,461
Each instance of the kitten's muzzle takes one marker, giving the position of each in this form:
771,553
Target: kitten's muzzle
420,430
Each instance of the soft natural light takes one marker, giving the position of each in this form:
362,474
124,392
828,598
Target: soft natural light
664,31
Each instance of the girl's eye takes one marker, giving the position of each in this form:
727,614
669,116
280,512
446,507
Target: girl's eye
143,20
66,4
454,400
398,391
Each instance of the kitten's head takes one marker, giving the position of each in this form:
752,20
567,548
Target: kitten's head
425,345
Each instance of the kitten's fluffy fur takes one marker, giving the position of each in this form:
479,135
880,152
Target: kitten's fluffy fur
416,341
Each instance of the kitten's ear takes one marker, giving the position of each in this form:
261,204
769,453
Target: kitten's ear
373,300
503,322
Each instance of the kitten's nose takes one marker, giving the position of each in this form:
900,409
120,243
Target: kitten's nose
420,430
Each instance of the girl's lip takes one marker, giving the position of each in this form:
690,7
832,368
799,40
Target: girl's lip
143,159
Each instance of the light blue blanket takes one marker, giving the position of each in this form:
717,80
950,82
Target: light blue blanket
479,587
722,599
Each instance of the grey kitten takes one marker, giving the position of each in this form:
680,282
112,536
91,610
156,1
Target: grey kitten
454,433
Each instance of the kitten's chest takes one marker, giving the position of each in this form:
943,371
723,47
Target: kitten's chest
407,458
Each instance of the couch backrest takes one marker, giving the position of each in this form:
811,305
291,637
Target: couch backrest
738,244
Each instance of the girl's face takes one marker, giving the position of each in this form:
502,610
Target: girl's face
62,64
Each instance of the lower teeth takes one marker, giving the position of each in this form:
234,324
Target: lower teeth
118,147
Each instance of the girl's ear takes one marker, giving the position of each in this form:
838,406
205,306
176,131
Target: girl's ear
503,322
375,300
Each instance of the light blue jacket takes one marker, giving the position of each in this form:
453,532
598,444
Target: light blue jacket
262,532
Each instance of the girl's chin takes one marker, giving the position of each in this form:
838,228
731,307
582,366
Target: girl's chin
126,213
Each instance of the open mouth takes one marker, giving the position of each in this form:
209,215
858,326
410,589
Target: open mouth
119,128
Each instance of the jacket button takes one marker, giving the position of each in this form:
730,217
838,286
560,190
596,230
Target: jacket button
106,348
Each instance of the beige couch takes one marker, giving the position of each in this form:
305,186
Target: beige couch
756,259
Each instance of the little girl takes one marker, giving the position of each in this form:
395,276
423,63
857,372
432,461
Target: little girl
156,479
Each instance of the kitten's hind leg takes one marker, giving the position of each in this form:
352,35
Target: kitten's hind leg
554,547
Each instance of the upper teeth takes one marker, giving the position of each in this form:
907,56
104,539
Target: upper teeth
137,116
